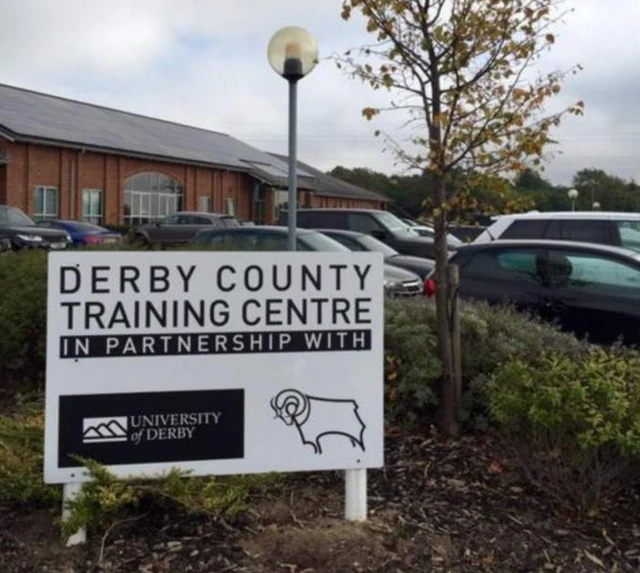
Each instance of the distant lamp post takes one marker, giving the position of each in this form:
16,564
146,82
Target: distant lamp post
573,195
292,53
596,206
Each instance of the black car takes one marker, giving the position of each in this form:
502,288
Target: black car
363,242
22,233
397,282
382,225
590,289
181,227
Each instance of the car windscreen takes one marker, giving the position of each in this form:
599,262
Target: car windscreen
320,242
372,244
229,222
85,227
12,217
392,223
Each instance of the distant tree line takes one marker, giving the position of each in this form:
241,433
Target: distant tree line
477,199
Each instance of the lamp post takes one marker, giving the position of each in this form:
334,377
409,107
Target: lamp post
292,53
573,195
595,206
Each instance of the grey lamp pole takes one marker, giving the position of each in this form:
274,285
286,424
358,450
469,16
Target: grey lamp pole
292,53
292,73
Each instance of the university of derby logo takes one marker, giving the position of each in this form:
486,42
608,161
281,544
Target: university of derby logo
101,430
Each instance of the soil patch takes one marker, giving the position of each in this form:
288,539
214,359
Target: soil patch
456,506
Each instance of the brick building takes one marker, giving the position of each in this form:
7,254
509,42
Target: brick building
74,160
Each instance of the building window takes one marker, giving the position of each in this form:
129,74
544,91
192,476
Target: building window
150,196
281,202
230,206
204,204
92,206
45,203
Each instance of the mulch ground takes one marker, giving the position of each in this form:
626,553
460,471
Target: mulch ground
453,507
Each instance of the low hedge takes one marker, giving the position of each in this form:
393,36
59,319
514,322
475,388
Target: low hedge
573,426
490,337
23,317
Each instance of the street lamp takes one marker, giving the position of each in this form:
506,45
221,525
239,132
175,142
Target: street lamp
292,53
573,195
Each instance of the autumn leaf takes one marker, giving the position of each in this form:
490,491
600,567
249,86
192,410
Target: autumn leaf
495,468
370,112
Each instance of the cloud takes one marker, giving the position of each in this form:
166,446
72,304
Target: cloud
204,64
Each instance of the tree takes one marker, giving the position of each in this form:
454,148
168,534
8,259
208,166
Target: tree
613,193
464,72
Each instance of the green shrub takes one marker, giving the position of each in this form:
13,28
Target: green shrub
490,336
21,457
23,313
411,362
23,317
106,499
574,425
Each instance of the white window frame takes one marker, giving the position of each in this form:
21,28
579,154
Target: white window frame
205,204
230,204
90,217
46,214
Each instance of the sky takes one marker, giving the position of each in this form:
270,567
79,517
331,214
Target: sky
204,63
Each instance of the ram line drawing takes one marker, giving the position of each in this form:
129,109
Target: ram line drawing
316,417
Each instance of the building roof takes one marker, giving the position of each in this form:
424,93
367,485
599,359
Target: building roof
35,117
331,186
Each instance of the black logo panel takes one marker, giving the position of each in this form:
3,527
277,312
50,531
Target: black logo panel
150,427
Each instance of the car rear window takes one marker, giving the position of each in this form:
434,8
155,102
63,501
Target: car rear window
320,242
82,226
584,231
525,229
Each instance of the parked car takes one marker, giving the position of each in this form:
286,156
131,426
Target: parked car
420,228
397,281
363,242
84,234
589,289
22,233
181,227
617,229
382,225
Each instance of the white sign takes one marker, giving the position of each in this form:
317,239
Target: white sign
216,363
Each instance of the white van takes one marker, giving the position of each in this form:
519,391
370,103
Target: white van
618,229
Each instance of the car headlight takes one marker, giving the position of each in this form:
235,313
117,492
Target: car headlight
68,237
30,238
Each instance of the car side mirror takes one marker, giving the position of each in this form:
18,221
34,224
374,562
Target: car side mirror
381,235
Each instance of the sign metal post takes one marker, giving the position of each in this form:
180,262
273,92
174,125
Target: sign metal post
69,492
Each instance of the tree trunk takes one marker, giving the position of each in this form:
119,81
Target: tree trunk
447,418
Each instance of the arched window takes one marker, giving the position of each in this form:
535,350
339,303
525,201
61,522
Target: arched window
149,196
